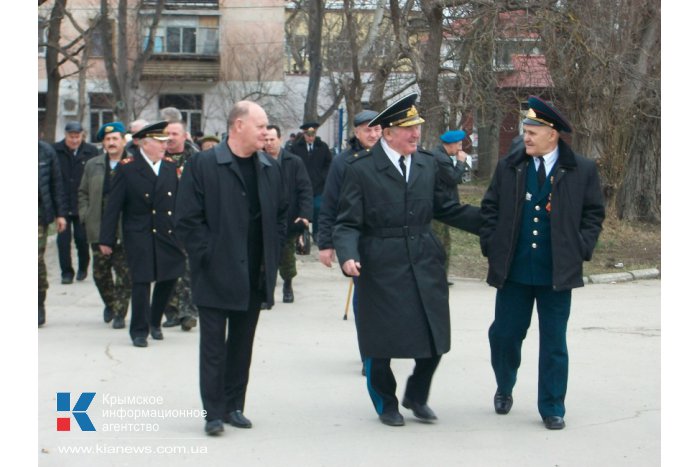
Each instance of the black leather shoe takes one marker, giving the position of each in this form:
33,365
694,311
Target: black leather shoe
107,314
81,275
42,315
364,371
287,292
264,306
392,418
157,334
554,422
118,322
171,319
140,342
171,322
214,427
450,283
188,322
502,403
67,280
237,419
421,411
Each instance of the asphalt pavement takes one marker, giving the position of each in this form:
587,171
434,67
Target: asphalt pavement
309,403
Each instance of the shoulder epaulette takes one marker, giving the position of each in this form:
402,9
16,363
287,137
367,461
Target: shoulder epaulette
126,160
358,155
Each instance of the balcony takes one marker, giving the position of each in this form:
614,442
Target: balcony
181,68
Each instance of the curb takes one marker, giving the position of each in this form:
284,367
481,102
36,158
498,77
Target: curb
612,278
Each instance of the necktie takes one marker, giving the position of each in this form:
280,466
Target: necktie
311,148
541,172
402,164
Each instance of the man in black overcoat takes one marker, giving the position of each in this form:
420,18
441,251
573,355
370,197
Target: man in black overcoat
143,190
543,212
231,216
382,236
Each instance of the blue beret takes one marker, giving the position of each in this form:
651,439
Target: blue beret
364,116
453,136
544,113
108,128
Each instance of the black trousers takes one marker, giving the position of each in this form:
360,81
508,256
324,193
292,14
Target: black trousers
147,313
225,353
63,240
381,383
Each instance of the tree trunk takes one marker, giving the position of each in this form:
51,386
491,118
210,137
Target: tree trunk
53,74
431,108
315,59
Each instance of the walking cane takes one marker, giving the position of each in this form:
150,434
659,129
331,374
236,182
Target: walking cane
347,302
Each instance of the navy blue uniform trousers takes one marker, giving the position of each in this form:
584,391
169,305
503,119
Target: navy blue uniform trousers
514,305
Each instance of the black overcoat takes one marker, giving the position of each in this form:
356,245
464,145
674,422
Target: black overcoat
147,204
317,163
72,170
577,214
299,192
212,221
384,223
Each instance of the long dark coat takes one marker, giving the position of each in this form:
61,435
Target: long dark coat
299,192
384,224
577,214
317,163
212,221
72,170
147,205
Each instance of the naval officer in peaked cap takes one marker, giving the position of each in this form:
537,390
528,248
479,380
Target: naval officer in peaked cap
383,237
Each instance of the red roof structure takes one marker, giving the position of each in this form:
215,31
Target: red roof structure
529,71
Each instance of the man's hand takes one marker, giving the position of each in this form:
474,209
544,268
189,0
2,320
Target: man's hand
352,267
61,224
105,250
326,256
461,156
305,221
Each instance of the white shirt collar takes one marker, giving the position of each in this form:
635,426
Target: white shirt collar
394,158
549,160
155,167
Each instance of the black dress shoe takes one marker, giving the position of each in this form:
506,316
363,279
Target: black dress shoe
237,419
140,342
118,322
214,427
554,422
392,418
42,315
81,275
264,306
421,411
450,283
67,280
364,371
502,403
157,334
107,314
188,322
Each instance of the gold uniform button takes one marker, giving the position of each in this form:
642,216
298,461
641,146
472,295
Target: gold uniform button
534,245
170,231
147,195
170,213
535,233
154,211
536,219
154,230
170,194
537,208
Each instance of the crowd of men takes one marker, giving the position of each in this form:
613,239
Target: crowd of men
197,231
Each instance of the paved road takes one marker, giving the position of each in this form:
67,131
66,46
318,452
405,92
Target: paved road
308,401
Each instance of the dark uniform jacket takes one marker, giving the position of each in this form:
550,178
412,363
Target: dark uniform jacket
212,221
52,200
450,173
72,170
384,224
317,163
147,205
331,192
299,194
576,216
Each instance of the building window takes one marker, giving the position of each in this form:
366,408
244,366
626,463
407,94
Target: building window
43,36
96,44
101,111
180,35
174,4
189,105
505,49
